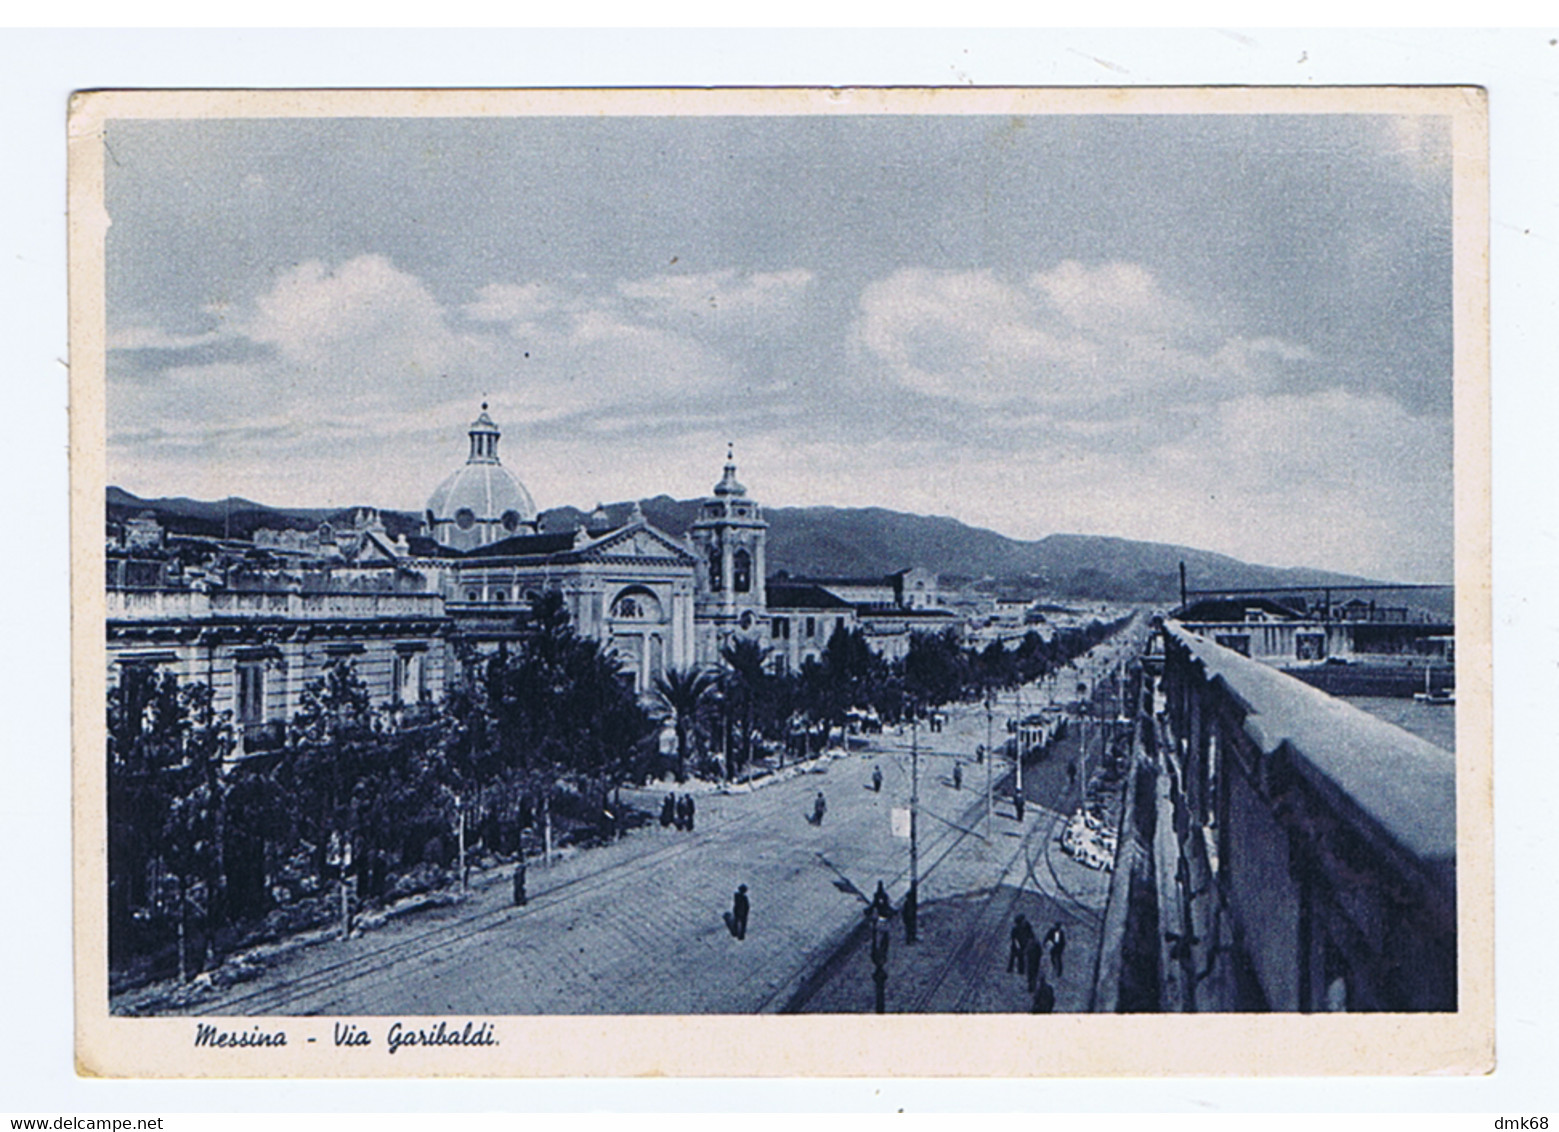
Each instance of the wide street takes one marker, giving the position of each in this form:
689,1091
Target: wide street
638,926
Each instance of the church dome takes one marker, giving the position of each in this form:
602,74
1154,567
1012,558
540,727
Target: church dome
481,502
488,491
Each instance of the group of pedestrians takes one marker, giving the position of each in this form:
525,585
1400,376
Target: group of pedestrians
677,811
1027,955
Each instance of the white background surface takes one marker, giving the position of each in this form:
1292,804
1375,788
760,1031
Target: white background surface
38,70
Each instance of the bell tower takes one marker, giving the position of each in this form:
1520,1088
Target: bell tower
730,538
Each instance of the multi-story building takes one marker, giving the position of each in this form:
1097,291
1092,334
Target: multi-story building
259,619
802,617
258,649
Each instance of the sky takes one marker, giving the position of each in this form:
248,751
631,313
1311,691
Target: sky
1230,332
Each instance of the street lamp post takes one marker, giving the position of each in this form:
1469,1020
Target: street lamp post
879,961
1082,758
914,814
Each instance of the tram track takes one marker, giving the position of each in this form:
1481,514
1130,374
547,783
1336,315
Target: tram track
984,937
274,999
981,939
341,979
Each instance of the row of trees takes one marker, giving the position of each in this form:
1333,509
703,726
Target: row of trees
206,852
205,849
743,705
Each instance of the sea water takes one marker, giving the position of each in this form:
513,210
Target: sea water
1434,722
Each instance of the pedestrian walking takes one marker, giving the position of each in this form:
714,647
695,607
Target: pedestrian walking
1017,802
740,906
911,910
668,811
1044,998
958,776
679,812
1017,952
881,905
689,798
519,881
1034,956
877,779
1055,943
819,808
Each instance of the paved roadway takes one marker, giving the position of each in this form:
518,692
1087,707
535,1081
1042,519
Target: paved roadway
959,963
638,927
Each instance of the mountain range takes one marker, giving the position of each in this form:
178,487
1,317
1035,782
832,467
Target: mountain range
842,542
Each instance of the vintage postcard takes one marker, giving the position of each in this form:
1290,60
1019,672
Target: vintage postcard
937,582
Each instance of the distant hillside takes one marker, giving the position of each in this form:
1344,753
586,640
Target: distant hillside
850,541
234,517
845,541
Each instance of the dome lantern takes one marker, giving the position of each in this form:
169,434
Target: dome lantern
484,439
481,502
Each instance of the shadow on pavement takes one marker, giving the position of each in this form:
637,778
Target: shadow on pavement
959,963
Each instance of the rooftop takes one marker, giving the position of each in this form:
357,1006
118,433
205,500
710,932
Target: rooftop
525,546
786,595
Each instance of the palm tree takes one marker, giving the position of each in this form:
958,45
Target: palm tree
680,691
744,658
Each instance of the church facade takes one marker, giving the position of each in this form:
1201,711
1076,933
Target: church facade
259,618
657,601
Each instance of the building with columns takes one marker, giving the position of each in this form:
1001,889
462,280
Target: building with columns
656,600
257,649
257,619
630,587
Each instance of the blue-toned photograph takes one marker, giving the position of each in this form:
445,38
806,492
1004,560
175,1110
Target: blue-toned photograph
735,563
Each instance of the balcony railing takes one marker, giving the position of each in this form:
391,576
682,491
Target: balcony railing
175,605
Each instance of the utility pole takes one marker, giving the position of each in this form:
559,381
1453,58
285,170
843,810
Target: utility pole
465,876
346,896
1017,755
914,814
1082,757
990,757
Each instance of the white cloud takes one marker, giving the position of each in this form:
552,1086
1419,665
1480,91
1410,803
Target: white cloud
366,345
1069,400
524,303
1331,479
1078,338
727,293
662,334
366,309
1351,481
1421,143
152,338
966,336
1113,298
628,360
